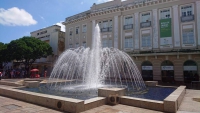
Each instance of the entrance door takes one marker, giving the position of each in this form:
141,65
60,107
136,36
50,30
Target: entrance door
167,68
147,71
190,71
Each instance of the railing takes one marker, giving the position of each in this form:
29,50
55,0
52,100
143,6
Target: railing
187,18
129,26
145,24
108,29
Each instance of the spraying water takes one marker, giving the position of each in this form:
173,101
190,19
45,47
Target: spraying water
84,70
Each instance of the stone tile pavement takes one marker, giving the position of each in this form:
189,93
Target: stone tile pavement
8,105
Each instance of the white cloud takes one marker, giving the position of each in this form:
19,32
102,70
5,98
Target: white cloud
62,26
16,17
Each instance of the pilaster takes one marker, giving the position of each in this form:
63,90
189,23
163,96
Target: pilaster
155,29
137,31
176,26
116,32
198,22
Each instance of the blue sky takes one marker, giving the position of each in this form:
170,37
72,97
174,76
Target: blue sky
20,17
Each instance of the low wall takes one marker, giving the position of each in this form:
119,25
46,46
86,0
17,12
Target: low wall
55,102
94,102
143,103
173,101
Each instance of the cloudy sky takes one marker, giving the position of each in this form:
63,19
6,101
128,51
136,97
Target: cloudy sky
20,17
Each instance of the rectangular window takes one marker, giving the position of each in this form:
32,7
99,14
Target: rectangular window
104,43
110,43
70,46
84,44
146,40
77,45
164,14
188,36
128,20
70,32
84,29
77,30
145,17
128,42
186,10
107,43
105,24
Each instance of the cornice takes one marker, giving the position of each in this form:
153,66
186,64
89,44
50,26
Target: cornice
127,7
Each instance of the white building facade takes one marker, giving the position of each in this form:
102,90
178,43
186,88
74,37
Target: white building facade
56,39
162,36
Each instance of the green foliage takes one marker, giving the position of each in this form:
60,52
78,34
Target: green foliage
4,54
28,49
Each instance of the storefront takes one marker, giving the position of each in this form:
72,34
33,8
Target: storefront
147,71
190,71
167,69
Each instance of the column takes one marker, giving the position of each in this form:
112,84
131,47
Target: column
93,28
155,29
176,26
116,32
198,21
137,30
121,33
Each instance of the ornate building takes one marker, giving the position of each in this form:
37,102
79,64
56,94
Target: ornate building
162,36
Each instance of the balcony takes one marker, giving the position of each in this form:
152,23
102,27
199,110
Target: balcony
187,18
145,24
108,29
129,26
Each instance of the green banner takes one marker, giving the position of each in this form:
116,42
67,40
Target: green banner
165,28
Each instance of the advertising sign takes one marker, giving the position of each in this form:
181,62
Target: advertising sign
190,68
165,32
167,67
147,68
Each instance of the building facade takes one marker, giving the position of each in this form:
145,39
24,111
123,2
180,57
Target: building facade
162,36
56,39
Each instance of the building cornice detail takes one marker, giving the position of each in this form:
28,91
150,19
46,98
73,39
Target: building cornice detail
113,9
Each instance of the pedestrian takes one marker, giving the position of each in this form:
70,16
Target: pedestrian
0,75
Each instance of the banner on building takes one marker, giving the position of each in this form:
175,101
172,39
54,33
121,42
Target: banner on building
167,67
190,68
165,32
147,68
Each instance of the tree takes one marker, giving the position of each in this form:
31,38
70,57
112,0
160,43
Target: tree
4,55
27,49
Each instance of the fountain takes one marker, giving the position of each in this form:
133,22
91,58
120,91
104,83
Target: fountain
82,71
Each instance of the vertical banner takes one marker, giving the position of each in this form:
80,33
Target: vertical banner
165,32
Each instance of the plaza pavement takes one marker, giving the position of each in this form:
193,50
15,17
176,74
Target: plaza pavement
8,105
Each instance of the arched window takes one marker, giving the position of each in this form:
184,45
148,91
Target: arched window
190,71
147,71
167,69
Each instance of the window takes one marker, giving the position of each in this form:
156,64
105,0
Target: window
77,45
110,23
107,43
84,44
70,46
145,17
70,32
128,43
186,10
128,20
188,36
164,14
84,29
77,30
105,24
146,40
38,33
104,43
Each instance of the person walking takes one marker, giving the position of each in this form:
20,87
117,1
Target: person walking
0,75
